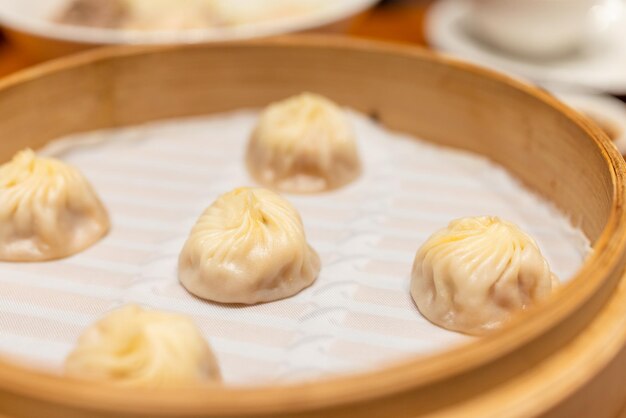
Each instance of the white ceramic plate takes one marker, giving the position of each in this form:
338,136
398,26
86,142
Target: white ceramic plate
34,17
599,66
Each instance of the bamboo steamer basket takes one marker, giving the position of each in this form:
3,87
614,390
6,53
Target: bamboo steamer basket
565,358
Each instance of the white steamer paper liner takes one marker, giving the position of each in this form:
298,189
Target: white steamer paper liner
157,179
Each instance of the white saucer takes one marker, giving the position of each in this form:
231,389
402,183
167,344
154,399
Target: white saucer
599,66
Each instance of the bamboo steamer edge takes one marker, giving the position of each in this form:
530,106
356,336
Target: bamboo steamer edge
561,359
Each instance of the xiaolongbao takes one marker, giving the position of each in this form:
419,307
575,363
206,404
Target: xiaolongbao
48,210
249,246
169,14
303,144
136,347
472,275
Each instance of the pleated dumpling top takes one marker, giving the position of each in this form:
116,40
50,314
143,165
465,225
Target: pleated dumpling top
48,210
137,347
248,247
474,274
303,144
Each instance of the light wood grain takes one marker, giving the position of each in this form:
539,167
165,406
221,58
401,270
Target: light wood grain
565,356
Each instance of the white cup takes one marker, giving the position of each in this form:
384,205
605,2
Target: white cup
536,28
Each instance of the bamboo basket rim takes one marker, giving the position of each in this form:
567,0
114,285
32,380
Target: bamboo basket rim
416,372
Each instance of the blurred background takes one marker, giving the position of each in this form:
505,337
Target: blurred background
575,49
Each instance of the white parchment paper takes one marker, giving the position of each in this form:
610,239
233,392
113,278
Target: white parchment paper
156,179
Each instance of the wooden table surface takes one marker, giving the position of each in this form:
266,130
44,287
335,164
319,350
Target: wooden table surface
400,21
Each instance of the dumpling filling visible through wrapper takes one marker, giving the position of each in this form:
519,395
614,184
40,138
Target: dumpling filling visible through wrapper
474,274
303,144
248,247
48,210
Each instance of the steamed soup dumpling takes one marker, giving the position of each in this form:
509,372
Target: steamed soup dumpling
471,276
303,144
170,14
48,210
248,247
143,348
241,12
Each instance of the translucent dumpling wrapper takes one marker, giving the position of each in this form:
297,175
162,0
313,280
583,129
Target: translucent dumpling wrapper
143,348
175,15
241,12
48,210
248,247
474,274
304,144
170,14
